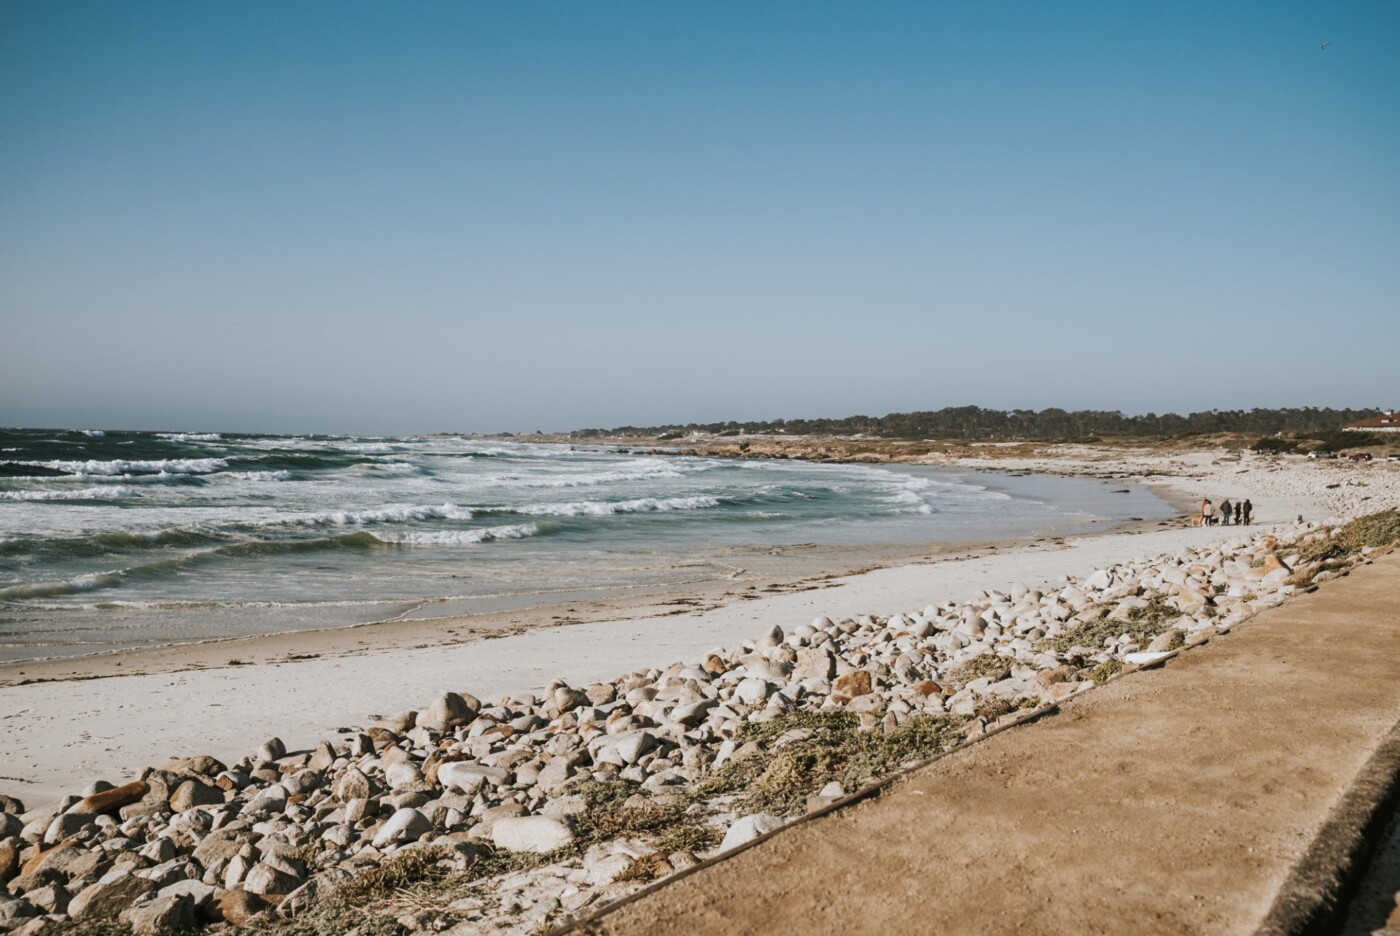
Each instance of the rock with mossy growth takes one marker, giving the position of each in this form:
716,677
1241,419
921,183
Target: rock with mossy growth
851,685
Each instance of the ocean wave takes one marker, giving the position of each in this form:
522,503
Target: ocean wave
604,508
80,583
388,466
644,471
386,515
460,537
189,436
162,466
260,475
93,433
88,493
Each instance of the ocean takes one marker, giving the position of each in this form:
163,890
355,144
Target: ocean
115,540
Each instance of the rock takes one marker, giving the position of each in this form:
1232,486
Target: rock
111,800
323,757
749,828
355,784
1048,677
111,893
220,845
449,711
66,826
51,898
9,858
273,749
405,825
202,894
633,746
1164,642
314,892
192,794
692,713
202,764
10,825
851,685
172,914
538,834
556,773
468,776
264,879
751,691
236,906
11,805
12,911
814,663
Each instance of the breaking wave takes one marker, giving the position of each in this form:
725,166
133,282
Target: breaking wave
604,508
460,537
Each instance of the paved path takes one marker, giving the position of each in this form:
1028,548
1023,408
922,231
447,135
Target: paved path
1172,801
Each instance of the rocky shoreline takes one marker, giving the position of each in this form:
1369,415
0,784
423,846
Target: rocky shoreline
520,815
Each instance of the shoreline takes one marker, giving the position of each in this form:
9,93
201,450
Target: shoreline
72,727
756,571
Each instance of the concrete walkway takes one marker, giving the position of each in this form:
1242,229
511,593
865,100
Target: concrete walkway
1179,800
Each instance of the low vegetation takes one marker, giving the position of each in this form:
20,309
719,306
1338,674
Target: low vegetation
827,746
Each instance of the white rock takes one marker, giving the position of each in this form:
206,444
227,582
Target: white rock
405,825
749,828
539,834
751,691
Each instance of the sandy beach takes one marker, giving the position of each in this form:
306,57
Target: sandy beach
68,723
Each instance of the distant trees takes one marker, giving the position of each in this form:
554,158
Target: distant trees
976,423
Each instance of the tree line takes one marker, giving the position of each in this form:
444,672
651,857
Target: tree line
976,423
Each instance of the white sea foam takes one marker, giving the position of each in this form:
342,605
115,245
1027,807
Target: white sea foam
388,466
460,537
88,493
261,475
603,508
634,471
397,514
190,436
93,433
168,466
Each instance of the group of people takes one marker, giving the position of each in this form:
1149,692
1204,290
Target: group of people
1238,513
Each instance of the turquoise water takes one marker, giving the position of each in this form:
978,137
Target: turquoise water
111,540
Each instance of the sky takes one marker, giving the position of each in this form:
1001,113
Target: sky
458,216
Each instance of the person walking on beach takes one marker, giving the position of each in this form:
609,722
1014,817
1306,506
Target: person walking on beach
1239,512
1248,509
1207,513
1225,511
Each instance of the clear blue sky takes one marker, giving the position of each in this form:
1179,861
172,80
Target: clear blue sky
478,216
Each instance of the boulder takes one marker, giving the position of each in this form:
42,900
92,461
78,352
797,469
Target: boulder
749,828
9,858
354,784
195,793
405,825
538,834
236,906
264,879
468,776
172,914
851,685
67,826
112,892
451,710
109,801
814,663
202,764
